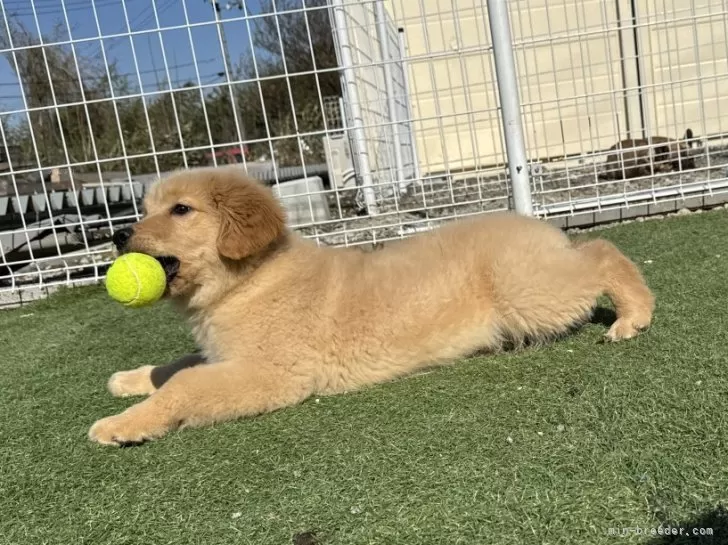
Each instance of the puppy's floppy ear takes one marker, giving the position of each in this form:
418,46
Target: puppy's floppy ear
250,217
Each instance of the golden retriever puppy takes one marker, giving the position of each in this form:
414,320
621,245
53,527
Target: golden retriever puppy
279,319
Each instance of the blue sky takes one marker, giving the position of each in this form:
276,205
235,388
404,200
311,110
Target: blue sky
176,42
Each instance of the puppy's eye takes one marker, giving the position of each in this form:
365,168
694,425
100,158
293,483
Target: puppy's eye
180,209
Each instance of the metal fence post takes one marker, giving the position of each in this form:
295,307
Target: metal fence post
505,68
380,14
408,105
352,93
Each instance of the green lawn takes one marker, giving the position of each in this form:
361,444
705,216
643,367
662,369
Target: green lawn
549,445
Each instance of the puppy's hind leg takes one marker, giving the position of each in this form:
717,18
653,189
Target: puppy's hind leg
622,282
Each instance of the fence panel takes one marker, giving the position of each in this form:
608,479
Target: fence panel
371,120
596,72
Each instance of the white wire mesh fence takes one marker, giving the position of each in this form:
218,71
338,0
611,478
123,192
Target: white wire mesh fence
370,119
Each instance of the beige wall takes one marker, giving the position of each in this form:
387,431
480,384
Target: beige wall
365,52
570,76
687,85
451,92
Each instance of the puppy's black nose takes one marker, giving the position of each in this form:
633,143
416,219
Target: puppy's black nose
121,237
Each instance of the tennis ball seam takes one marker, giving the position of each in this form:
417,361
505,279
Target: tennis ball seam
133,271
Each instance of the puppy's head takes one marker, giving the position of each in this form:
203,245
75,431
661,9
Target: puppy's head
201,223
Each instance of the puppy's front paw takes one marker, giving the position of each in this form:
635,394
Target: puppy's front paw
126,428
136,382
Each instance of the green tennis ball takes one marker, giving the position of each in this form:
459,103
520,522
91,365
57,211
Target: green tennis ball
136,280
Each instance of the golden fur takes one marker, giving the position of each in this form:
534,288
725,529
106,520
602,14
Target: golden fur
279,319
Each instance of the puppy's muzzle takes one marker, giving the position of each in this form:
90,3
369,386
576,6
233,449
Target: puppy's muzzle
121,238
169,263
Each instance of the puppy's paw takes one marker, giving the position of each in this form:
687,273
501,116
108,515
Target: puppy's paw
126,429
136,382
626,328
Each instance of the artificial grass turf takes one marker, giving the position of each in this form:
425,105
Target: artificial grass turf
550,445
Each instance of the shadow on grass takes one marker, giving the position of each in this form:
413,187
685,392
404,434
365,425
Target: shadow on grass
603,316
163,373
710,528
